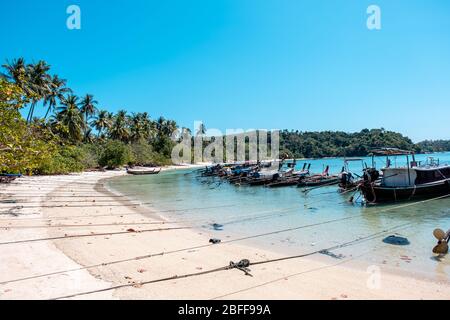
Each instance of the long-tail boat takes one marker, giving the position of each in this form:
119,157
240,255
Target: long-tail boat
415,180
323,179
143,171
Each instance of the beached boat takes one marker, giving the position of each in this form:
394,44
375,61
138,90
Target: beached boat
349,180
290,177
260,178
413,181
284,182
143,171
319,181
323,179
8,178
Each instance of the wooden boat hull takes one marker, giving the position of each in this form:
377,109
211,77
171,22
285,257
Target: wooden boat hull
284,183
379,194
8,178
143,172
330,181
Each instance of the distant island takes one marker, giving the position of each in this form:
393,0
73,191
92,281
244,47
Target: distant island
74,134
342,144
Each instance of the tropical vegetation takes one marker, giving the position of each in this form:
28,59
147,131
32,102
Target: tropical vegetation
75,132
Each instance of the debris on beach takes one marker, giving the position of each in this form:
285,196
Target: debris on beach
8,201
215,240
217,226
331,254
396,240
406,259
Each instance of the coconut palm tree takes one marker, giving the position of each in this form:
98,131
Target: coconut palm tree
88,136
70,116
139,127
38,84
171,127
119,128
201,130
88,109
102,122
57,91
16,71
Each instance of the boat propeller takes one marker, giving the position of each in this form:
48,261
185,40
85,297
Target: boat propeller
443,239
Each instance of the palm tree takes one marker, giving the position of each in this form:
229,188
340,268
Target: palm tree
70,116
171,127
139,127
57,91
101,122
16,71
88,137
87,107
119,129
201,130
147,124
38,84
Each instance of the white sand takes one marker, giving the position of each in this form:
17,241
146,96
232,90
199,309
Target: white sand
291,279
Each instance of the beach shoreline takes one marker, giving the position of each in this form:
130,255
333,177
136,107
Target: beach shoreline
129,229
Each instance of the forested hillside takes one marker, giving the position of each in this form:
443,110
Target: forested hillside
342,144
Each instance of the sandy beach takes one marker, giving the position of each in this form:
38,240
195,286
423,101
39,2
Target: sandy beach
69,237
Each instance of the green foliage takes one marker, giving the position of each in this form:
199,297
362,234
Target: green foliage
77,136
434,145
114,155
22,147
90,155
340,144
38,145
65,160
141,154
163,145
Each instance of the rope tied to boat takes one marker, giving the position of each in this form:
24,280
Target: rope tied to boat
241,265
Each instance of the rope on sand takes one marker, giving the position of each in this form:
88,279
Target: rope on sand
84,225
114,214
176,251
79,206
207,245
241,265
91,235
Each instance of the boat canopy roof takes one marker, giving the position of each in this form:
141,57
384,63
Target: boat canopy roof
390,152
353,159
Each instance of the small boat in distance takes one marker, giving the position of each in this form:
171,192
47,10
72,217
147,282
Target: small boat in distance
143,170
8,178
410,182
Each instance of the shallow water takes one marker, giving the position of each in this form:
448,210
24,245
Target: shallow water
320,219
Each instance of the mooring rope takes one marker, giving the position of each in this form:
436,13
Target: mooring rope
242,265
209,245
352,257
84,225
91,235
183,249
118,214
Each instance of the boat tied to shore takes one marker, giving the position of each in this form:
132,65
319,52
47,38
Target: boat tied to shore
415,180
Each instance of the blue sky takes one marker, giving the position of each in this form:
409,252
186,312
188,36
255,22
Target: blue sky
306,65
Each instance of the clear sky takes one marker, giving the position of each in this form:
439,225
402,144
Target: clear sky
295,64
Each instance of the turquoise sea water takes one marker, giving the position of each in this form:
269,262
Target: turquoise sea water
246,211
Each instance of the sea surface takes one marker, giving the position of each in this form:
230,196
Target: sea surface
291,221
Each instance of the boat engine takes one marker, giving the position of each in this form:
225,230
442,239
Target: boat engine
346,178
370,175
